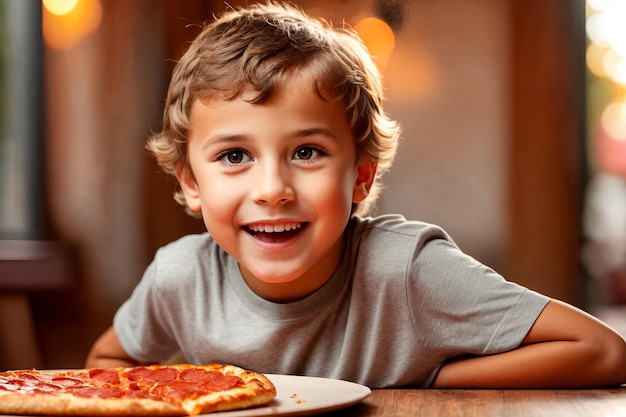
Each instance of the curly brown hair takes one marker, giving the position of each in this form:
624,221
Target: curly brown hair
260,46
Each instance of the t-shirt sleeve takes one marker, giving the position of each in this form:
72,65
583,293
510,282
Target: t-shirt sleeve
142,324
463,307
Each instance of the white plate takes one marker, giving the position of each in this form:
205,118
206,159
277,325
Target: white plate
305,395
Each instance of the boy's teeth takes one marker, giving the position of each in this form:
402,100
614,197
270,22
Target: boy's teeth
268,228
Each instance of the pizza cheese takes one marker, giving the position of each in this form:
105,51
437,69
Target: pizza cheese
171,390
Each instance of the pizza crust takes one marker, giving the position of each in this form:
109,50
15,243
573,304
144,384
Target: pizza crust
70,405
235,400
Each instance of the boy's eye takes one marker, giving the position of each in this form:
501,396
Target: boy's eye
233,156
306,152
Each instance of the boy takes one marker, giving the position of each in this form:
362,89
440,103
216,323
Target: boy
275,130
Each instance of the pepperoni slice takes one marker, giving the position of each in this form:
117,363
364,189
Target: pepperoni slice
65,381
219,382
195,375
35,386
151,376
100,392
14,384
109,376
214,381
45,388
176,391
26,377
195,385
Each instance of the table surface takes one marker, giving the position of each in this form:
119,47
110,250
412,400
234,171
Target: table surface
490,403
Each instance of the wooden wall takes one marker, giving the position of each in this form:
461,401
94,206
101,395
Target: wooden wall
546,146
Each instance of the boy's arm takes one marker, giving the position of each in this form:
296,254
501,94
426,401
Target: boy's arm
565,348
107,352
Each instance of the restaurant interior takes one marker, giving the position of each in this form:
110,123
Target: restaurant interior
514,131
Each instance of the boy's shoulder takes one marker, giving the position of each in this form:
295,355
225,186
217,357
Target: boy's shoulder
193,239
183,253
185,262
388,237
187,244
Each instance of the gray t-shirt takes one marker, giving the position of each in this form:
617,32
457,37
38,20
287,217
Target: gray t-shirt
402,301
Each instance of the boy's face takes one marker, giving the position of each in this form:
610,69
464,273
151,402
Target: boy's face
275,183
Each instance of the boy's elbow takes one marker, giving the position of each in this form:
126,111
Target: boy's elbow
618,360
610,360
107,352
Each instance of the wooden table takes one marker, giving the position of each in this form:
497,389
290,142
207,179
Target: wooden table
490,403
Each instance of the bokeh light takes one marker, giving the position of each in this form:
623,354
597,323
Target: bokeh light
379,39
66,22
615,66
606,61
606,29
595,59
60,7
614,120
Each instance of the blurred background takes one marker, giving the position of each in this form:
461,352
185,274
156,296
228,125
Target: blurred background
514,140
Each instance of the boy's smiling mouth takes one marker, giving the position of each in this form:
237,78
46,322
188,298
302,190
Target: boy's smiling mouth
274,233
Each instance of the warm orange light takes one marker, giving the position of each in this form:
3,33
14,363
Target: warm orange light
410,75
614,120
610,140
379,39
64,26
60,7
615,66
595,57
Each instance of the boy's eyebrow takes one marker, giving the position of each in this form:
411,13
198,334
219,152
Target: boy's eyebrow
241,138
224,138
313,131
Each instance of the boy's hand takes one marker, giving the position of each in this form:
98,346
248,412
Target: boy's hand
107,352
565,348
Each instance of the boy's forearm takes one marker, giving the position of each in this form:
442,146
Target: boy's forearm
541,365
107,352
104,362
565,348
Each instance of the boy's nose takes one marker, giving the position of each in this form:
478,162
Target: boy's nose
273,185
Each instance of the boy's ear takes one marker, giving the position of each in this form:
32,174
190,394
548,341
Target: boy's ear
366,173
188,185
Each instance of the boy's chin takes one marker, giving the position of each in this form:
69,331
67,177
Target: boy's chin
270,272
278,288
273,278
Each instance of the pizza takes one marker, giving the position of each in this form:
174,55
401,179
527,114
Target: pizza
159,390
